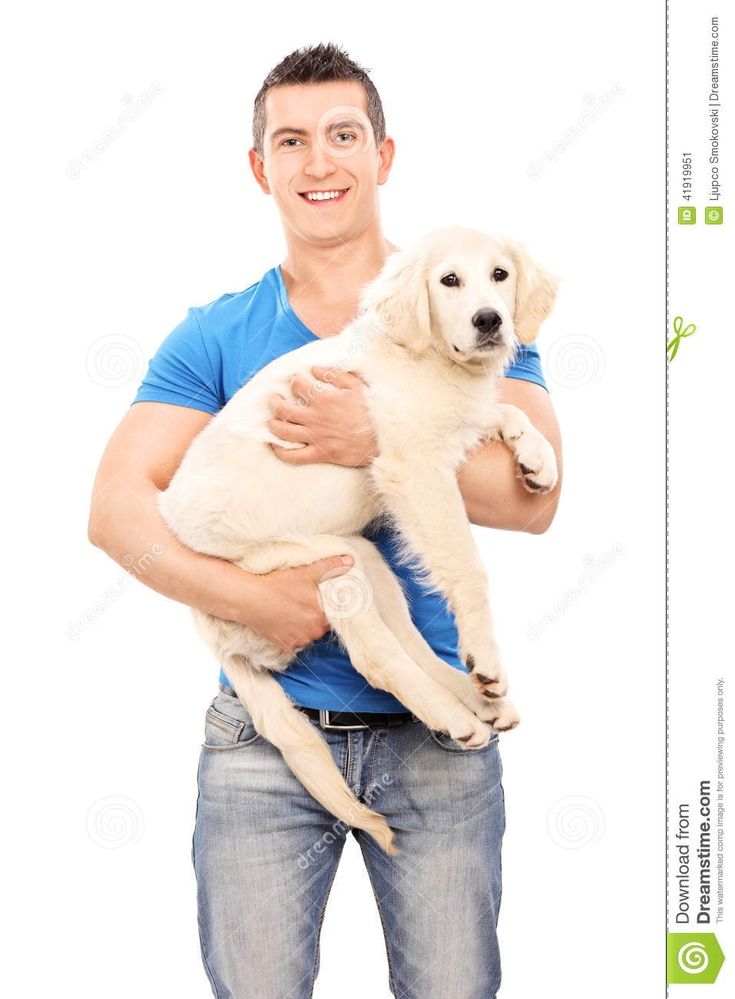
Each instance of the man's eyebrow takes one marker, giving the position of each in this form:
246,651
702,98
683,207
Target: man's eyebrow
347,122
287,130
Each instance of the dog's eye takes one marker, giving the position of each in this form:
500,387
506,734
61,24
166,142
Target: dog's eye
499,274
450,280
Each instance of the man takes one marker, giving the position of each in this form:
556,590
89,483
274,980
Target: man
265,853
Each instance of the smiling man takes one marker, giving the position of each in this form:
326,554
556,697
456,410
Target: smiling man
265,852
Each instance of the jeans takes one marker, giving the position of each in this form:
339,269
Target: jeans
265,854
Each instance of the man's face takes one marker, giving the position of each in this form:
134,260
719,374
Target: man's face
318,138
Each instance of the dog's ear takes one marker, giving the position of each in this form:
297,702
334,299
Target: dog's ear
535,294
399,298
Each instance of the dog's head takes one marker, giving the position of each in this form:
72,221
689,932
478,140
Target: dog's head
464,293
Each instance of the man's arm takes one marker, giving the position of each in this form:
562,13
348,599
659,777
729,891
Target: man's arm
124,521
138,462
488,480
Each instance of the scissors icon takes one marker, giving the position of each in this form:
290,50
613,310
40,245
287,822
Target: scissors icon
681,332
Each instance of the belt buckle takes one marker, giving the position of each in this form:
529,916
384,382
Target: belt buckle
324,714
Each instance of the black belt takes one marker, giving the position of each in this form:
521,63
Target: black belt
342,721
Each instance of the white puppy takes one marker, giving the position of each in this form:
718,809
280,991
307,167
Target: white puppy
435,332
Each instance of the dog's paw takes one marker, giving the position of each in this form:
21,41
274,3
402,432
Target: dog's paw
537,463
460,723
488,675
498,712
493,686
474,736
468,691
506,717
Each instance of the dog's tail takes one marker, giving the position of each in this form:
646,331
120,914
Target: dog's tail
305,752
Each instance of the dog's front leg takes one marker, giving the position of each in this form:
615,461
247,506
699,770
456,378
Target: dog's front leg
427,508
533,453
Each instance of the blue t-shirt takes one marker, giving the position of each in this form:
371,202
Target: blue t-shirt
201,364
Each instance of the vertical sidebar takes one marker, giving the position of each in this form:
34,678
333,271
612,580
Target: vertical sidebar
700,371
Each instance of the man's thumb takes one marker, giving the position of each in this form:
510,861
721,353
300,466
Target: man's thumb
335,565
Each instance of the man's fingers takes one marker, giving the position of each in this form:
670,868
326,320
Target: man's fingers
298,456
285,409
289,431
342,379
303,388
333,565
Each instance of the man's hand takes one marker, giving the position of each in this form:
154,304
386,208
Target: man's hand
334,424
289,610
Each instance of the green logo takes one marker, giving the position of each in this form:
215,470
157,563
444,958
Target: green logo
713,215
681,332
692,958
687,216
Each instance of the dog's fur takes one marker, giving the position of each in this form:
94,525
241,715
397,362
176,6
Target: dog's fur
432,378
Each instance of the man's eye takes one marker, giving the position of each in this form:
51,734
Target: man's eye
348,134
289,140
499,274
450,280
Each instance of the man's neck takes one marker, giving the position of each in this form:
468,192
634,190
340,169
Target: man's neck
335,273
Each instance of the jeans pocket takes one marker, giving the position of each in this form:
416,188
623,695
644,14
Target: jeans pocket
448,744
228,725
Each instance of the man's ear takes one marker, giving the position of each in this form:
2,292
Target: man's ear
257,166
399,298
535,294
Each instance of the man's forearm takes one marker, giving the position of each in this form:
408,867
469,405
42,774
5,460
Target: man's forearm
133,533
494,496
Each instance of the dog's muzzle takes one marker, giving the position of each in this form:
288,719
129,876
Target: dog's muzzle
487,322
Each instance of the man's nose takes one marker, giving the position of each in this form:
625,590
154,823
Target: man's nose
319,162
487,322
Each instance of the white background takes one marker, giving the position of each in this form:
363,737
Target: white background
103,729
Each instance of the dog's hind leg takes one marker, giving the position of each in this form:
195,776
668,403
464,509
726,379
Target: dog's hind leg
393,608
428,510
351,607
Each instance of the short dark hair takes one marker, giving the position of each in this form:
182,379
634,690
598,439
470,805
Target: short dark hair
317,64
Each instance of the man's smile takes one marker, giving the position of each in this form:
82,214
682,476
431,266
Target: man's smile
324,197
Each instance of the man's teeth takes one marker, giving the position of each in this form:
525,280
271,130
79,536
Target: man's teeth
322,195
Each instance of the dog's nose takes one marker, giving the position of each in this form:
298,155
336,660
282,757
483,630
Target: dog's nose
488,323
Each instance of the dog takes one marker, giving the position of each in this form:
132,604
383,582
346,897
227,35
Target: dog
434,333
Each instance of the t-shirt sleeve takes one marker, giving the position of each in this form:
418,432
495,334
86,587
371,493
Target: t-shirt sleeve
180,371
527,365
